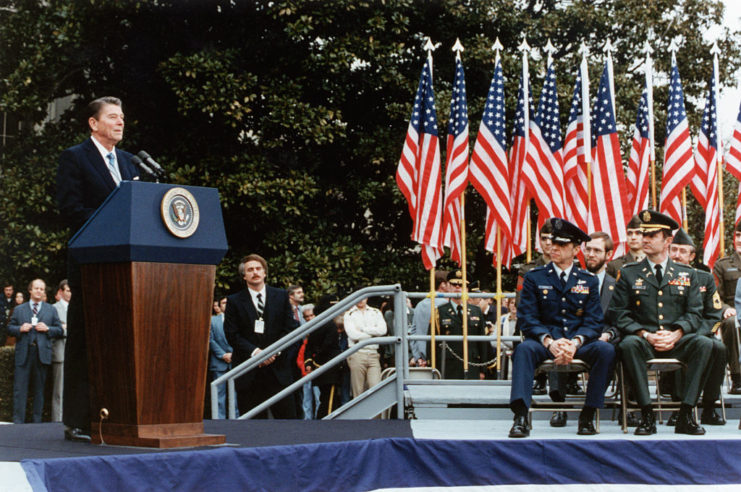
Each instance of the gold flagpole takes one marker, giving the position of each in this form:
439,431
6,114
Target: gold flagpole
653,183
720,205
499,302
433,319
464,293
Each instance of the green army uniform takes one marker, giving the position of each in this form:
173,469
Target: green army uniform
615,265
712,314
727,271
451,323
641,303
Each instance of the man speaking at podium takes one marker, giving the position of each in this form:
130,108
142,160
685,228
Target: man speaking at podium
86,175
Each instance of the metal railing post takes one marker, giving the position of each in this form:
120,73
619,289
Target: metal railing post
400,353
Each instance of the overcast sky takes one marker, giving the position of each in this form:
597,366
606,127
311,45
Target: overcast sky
730,97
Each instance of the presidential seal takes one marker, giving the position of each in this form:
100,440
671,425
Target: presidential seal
180,212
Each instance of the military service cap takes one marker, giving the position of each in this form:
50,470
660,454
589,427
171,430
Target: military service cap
635,223
455,277
681,238
566,232
652,221
546,230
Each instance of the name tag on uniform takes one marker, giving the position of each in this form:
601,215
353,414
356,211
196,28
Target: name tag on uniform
34,320
259,326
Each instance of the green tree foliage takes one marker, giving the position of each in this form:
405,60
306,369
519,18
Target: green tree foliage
297,110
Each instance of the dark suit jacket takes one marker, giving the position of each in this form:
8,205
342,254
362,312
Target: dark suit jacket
84,181
239,327
22,314
218,345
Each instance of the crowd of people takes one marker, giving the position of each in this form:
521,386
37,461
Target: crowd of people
649,302
560,311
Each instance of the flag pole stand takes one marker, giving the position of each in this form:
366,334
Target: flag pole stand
433,318
464,292
499,304
720,207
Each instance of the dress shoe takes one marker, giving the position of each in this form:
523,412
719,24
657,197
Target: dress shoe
673,419
632,418
711,417
539,388
586,427
735,387
76,434
519,427
558,419
687,425
647,425
574,389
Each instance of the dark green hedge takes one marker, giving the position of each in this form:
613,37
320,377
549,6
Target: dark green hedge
6,384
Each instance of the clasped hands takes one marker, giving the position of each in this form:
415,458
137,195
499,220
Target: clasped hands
40,327
563,350
664,340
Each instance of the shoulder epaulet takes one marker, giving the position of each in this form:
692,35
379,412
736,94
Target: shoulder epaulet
537,268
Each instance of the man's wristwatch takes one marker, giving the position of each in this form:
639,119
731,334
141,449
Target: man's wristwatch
645,334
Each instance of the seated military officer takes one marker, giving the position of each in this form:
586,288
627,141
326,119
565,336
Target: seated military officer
560,317
658,308
451,323
682,250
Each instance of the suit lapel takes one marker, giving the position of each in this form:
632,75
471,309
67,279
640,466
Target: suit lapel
647,274
248,304
97,162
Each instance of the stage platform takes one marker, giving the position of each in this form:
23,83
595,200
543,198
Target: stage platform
380,455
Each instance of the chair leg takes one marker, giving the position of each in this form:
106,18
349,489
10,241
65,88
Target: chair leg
657,378
623,400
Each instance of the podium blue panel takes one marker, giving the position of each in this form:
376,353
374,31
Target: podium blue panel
128,226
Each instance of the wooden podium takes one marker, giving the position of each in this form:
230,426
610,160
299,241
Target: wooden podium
148,258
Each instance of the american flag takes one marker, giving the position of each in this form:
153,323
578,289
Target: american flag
418,173
519,197
733,157
608,209
679,164
575,181
705,181
639,165
543,170
488,170
456,166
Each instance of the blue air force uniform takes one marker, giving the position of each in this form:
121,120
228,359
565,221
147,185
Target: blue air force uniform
561,311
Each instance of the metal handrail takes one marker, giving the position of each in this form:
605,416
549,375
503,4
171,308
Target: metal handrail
336,360
289,339
400,337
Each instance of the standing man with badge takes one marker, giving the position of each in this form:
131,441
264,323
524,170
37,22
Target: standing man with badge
255,318
86,175
34,324
560,317
658,309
